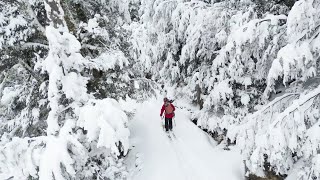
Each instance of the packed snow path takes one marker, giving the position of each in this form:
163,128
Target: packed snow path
189,156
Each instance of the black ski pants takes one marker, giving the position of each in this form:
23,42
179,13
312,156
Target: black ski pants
168,124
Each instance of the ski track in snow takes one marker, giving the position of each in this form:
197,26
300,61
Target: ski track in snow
188,156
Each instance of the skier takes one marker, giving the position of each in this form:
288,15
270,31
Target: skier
168,109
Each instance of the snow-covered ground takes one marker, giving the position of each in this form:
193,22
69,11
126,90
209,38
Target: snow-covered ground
192,155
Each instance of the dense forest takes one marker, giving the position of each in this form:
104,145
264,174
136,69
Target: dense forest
251,67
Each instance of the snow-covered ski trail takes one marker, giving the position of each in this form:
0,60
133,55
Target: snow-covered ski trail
188,155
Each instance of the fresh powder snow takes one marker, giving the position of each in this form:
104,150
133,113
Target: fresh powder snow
190,154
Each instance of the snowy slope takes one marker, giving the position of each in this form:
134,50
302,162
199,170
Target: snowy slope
191,155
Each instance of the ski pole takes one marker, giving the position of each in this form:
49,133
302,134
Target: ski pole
162,122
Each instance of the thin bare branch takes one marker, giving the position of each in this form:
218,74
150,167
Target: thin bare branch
30,70
33,45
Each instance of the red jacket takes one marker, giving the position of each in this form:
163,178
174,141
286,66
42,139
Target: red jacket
167,115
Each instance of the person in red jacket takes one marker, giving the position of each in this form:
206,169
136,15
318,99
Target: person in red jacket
168,110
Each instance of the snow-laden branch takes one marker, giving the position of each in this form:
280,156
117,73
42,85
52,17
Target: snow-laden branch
284,136
93,47
315,33
298,107
310,35
33,45
288,98
26,45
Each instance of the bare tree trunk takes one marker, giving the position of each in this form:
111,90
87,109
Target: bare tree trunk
55,14
199,100
318,66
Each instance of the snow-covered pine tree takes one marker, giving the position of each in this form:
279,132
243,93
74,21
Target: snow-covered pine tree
283,133
299,59
44,132
22,41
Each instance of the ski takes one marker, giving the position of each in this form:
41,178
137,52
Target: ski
172,134
169,136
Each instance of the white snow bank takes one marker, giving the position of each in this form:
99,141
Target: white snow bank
106,122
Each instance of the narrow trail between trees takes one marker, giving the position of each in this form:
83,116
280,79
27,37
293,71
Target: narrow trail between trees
187,156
